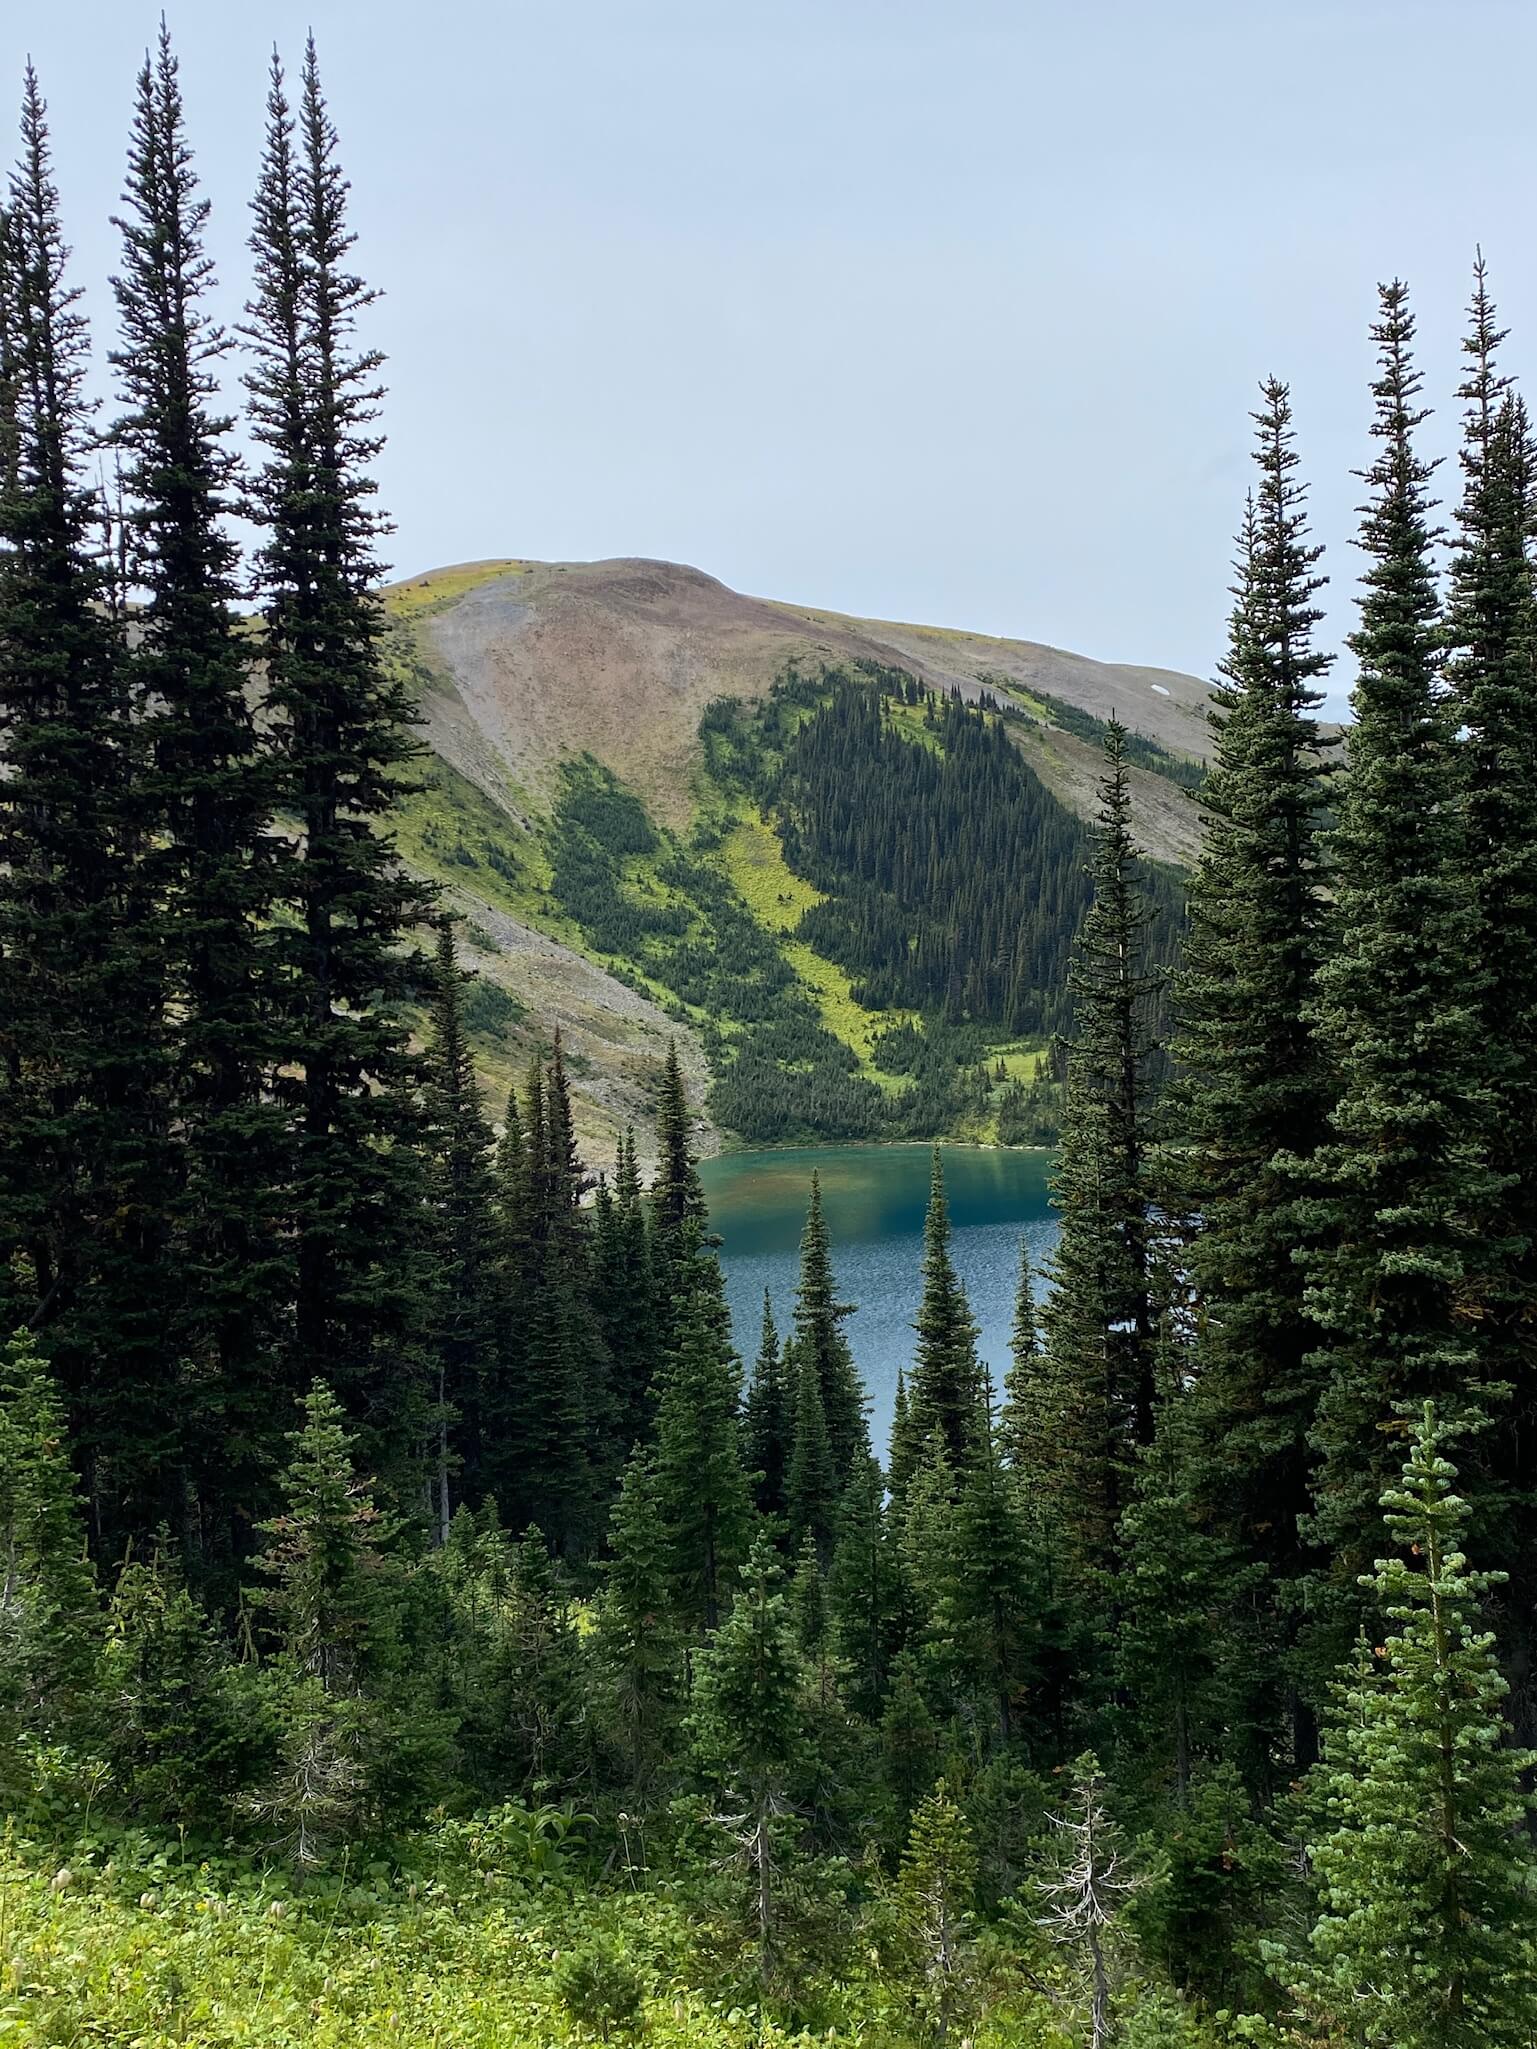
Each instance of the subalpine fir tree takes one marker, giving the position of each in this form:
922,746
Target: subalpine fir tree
1403,1240
1491,626
747,1728
769,1421
342,727
702,1489
639,1649
330,1596
1253,1088
862,1594
819,1338
1093,1395
1191,1656
460,1189
944,1393
811,1485
177,1722
49,1615
998,1608
679,1219
537,1451
624,1300
909,1741
560,1400
1024,1365
902,1455
86,1180
205,789
936,1891
1423,1876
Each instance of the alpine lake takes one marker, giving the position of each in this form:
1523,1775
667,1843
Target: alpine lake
874,1198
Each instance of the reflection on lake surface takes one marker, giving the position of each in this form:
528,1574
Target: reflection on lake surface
875,1197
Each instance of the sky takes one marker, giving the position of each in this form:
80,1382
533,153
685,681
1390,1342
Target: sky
950,312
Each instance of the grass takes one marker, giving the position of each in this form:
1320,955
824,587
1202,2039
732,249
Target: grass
200,1959
777,898
452,831
419,596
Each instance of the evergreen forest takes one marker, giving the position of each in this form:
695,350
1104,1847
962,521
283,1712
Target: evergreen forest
416,1623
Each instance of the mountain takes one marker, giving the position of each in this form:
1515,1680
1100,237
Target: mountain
542,686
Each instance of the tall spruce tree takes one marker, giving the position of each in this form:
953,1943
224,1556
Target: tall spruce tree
1253,1089
205,792
537,1447
998,1606
811,1485
84,1151
862,1594
464,1252
944,1393
819,1338
342,725
1423,1879
769,1421
1395,1278
1491,629
624,1300
1024,1365
639,1646
1093,1395
702,1488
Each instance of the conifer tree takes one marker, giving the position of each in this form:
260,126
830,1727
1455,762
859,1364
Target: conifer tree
638,1644
902,1457
1425,1881
679,1219
1092,1402
536,1432
459,1192
1492,672
1188,1657
819,1338
747,1725
1250,1101
862,1594
936,1889
624,1300
49,1618
83,1144
945,1392
181,1732
909,1743
342,725
702,1489
1084,1894
330,1595
769,1426
811,1486
1394,1279
1024,1366
205,795
999,1601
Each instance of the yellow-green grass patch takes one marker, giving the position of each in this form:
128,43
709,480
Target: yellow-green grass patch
419,595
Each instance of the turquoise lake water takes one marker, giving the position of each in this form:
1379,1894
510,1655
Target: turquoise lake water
874,1197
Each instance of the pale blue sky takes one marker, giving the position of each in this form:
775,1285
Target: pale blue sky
949,312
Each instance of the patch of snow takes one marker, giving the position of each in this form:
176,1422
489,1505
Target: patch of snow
1162,689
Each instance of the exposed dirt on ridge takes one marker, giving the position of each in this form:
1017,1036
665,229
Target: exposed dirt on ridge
542,660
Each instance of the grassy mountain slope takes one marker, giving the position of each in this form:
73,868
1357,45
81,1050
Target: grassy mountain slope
546,688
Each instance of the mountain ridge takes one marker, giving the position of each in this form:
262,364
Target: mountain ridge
522,668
